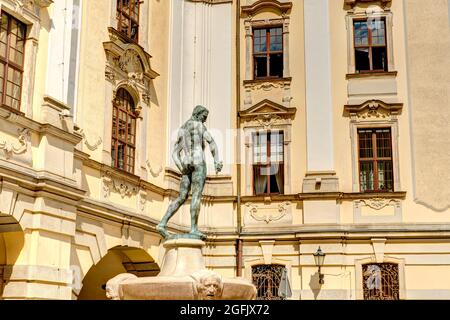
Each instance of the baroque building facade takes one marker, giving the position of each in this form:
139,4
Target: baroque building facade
331,117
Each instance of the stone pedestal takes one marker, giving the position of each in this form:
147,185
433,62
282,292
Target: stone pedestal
183,257
183,276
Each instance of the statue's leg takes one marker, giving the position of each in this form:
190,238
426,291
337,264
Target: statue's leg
198,182
175,205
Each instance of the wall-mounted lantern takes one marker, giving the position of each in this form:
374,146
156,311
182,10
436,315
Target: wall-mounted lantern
319,257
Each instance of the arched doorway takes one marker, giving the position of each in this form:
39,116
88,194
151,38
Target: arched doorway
11,244
118,260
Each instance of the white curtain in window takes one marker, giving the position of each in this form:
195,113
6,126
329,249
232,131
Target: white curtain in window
260,179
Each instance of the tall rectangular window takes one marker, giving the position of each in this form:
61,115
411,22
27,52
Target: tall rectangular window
12,50
128,18
268,52
370,45
375,160
268,162
123,143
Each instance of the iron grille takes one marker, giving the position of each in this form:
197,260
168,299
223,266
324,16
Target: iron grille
267,279
380,281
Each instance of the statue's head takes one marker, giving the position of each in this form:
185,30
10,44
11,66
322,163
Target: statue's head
200,113
209,285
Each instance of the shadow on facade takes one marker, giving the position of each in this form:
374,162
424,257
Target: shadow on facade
11,243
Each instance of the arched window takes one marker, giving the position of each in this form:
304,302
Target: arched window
128,18
267,279
123,144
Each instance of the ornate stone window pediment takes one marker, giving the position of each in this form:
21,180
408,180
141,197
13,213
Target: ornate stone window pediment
374,110
282,7
31,5
353,3
267,111
128,65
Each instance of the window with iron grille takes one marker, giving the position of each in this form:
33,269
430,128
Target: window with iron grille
123,144
128,18
268,52
370,45
375,160
381,281
268,162
266,279
12,50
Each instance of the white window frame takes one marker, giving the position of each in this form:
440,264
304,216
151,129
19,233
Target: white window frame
369,14
249,131
374,114
29,14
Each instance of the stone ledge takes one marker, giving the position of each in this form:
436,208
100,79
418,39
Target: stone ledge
37,291
39,274
371,74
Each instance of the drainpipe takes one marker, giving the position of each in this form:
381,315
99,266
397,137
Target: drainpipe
239,242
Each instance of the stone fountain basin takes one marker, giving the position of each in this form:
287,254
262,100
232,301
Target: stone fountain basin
181,288
183,269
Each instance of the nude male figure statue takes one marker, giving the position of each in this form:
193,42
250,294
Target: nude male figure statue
189,157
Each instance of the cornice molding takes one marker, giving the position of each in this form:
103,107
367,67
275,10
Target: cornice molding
267,108
40,128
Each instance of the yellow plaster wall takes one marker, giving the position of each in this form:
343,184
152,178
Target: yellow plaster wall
41,62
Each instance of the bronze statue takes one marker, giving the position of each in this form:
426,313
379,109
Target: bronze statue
189,157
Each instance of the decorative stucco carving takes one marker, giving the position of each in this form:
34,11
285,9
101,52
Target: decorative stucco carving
142,201
152,171
268,216
20,5
353,3
29,7
281,7
374,109
109,73
128,65
12,117
12,149
125,189
377,203
267,121
90,146
267,85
